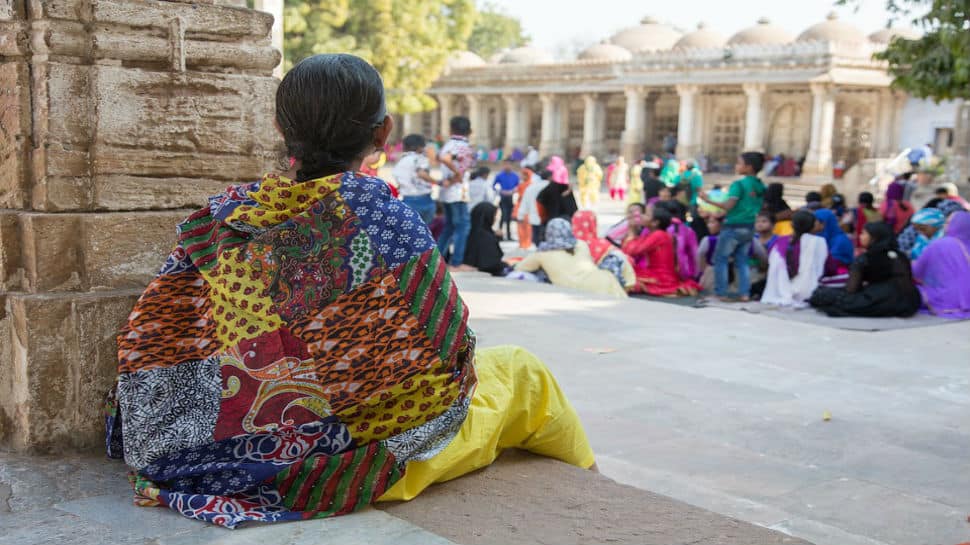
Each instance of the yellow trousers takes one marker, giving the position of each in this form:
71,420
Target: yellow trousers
517,404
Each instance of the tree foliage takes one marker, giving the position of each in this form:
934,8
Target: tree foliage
494,31
936,66
408,41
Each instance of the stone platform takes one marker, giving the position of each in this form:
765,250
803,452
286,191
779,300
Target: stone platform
714,408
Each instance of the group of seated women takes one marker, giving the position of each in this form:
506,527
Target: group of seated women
871,273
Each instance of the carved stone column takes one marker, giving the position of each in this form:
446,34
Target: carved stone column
632,139
445,103
477,116
516,122
819,159
551,141
687,119
594,126
754,128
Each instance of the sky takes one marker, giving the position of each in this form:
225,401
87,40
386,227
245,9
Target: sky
563,25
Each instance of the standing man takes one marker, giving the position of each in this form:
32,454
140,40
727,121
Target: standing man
505,184
457,157
745,198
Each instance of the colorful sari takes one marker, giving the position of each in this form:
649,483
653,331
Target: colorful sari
656,267
292,355
524,228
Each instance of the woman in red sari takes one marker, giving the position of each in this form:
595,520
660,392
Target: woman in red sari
524,228
659,275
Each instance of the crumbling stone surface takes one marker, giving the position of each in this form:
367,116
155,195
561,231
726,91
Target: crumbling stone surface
117,117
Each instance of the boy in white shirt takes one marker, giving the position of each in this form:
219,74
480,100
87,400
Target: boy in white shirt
413,176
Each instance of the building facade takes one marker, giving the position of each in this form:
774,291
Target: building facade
818,96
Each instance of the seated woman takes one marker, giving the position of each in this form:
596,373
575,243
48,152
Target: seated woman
659,275
909,236
796,263
928,224
303,352
943,271
568,263
685,240
839,244
604,254
880,284
776,205
482,250
860,216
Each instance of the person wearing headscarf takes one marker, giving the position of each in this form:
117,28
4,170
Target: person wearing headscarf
909,236
895,210
482,250
558,169
655,259
828,192
618,179
840,247
776,205
670,172
568,262
652,184
796,263
636,184
523,227
604,253
880,283
557,200
928,224
590,178
943,270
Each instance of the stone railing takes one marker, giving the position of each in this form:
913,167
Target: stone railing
117,117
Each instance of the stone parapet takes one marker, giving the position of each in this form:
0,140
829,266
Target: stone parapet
117,118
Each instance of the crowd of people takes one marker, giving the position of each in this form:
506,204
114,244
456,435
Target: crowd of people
739,243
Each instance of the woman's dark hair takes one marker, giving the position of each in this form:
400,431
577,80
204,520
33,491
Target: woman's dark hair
754,159
481,172
460,125
413,142
933,203
768,216
802,222
882,235
328,107
813,196
663,218
866,199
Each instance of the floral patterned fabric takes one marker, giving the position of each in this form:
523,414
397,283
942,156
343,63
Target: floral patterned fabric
301,344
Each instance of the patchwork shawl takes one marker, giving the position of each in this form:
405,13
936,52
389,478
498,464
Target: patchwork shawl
300,345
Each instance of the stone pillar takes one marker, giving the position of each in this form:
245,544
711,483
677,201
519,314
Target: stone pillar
594,125
100,161
818,162
754,129
516,123
476,114
552,140
274,8
632,139
958,167
445,103
687,146
899,100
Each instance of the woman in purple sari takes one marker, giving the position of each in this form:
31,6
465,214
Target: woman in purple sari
943,270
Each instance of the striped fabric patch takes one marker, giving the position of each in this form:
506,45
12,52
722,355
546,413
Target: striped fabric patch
433,297
323,486
204,238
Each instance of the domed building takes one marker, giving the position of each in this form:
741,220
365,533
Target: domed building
817,95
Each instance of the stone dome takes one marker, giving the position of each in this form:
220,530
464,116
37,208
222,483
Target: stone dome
604,52
886,35
832,30
763,33
526,55
649,35
463,59
702,38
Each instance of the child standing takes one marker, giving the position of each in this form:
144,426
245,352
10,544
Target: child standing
457,157
414,180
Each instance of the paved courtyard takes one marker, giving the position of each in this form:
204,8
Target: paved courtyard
724,410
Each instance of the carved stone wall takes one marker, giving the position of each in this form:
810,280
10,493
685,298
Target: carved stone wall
117,117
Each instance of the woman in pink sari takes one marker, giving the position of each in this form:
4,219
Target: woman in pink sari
942,272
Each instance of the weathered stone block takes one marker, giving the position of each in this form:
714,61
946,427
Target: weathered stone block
51,252
61,361
126,250
203,18
11,265
124,192
14,133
